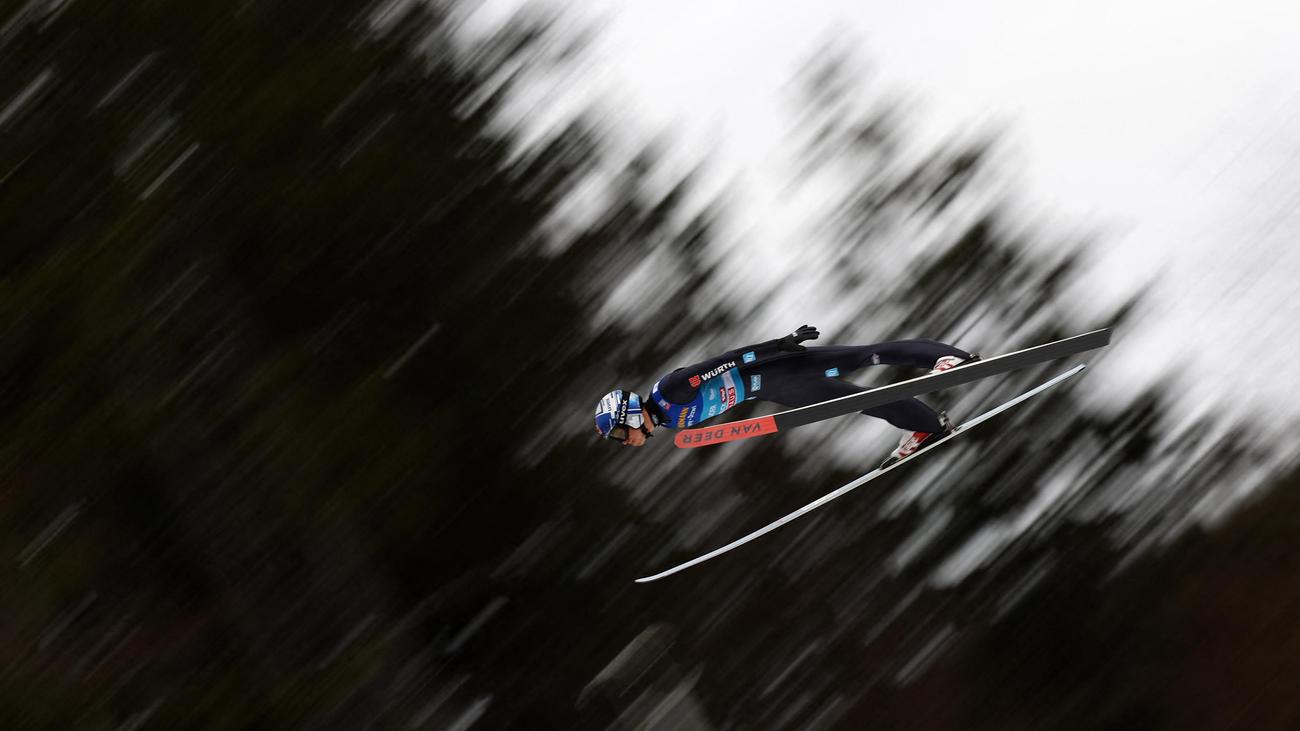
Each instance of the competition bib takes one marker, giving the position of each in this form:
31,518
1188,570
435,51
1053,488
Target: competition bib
714,396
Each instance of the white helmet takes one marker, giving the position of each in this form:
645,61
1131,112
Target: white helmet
617,413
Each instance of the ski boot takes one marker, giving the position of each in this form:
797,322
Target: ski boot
912,442
952,361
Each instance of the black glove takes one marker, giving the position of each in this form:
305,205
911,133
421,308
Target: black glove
791,342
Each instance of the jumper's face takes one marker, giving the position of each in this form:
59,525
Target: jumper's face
637,437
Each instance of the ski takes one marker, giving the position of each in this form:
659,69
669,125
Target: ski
865,478
763,425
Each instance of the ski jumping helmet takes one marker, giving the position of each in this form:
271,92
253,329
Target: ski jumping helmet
617,413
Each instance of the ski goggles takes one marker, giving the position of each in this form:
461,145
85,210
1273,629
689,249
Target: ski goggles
627,415
621,432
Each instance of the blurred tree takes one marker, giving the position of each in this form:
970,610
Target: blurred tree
282,313
294,324
869,596
1195,635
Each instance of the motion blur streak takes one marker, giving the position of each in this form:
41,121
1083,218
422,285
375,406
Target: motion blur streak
303,319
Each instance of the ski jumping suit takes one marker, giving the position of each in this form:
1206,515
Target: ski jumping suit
764,372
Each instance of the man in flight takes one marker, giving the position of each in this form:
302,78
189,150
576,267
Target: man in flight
784,372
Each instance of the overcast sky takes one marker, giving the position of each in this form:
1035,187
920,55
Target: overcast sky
1175,127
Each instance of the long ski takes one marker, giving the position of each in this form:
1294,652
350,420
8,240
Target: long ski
863,479
763,425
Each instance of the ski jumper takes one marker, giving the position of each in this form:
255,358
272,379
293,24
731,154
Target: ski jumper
764,372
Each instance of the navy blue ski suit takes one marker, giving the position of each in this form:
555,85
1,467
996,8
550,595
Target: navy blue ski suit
764,372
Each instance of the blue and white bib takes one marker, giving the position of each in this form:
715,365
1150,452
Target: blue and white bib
713,397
